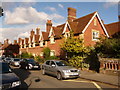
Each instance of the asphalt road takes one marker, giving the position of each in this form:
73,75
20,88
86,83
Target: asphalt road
35,79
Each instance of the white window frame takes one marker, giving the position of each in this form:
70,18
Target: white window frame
52,40
51,53
41,54
41,43
96,35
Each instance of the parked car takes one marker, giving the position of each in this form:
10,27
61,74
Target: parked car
8,78
8,60
15,61
60,69
29,64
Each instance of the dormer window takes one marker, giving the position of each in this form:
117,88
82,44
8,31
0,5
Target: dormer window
95,35
67,34
52,40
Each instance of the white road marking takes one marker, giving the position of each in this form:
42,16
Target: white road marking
96,85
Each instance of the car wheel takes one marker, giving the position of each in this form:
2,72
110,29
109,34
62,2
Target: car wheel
59,76
26,67
43,71
30,66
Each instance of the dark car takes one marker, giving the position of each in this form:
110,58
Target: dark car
8,78
8,60
29,64
15,61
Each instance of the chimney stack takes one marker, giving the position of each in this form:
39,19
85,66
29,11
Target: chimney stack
37,31
48,25
32,33
71,14
15,41
6,41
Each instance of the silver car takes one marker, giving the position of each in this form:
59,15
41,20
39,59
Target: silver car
60,69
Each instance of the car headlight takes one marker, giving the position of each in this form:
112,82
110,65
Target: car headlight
14,84
66,71
0,87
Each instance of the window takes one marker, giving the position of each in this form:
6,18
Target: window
52,63
67,34
52,53
95,22
41,43
47,62
52,40
41,54
95,35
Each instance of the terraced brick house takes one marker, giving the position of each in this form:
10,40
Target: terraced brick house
89,28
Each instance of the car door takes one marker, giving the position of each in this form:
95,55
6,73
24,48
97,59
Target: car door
47,67
53,69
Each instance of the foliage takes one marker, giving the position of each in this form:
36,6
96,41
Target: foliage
46,52
26,55
74,46
76,61
75,50
108,48
39,59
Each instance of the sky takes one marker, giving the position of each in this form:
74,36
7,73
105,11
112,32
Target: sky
21,17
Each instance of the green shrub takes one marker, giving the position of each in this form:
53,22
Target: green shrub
76,61
26,55
39,59
46,52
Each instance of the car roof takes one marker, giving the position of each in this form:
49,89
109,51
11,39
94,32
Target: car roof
55,60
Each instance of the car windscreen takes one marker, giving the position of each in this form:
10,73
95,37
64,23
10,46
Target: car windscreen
31,61
61,63
8,59
5,68
16,59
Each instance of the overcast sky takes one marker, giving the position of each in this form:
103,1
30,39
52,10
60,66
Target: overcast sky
21,17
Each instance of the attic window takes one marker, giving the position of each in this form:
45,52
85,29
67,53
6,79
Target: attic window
52,40
95,22
95,35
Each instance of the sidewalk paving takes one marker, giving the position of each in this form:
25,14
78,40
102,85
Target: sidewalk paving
104,78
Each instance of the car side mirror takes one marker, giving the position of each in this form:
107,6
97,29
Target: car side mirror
53,65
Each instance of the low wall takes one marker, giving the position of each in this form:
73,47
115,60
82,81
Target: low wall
109,66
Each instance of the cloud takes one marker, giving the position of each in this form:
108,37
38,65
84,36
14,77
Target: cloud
60,5
28,15
23,35
110,4
51,9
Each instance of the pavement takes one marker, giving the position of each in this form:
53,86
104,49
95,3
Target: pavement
99,77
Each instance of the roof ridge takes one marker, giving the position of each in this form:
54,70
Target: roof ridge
113,23
85,16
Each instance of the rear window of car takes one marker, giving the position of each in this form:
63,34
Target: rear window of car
16,59
47,62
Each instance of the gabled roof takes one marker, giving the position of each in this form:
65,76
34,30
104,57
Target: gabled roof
81,23
113,28
57,31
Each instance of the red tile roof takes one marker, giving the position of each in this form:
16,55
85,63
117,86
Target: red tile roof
79,24
45,35
113,28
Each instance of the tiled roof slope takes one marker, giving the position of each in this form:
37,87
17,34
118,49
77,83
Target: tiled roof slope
79,24
113,28
45,35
